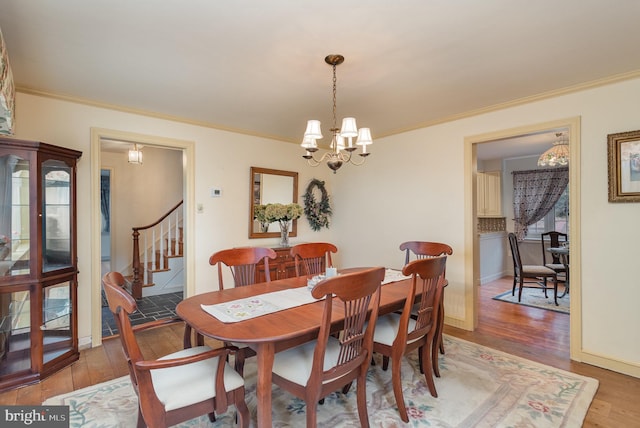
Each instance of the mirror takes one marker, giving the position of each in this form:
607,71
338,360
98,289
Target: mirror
270,186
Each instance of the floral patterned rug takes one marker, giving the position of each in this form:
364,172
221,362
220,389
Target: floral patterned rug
479,387
535,298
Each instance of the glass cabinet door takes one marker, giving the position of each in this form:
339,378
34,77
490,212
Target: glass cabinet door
56,215
14,216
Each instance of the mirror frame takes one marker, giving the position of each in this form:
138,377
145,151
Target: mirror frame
294,199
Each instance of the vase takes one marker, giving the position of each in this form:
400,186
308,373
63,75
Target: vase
284,234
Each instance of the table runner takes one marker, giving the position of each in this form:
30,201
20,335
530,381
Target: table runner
262,304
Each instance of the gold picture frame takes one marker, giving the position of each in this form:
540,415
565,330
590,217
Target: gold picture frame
624,166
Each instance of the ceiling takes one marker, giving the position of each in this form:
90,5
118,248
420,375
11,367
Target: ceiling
258,67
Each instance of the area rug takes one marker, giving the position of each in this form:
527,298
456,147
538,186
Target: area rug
479,387
535,298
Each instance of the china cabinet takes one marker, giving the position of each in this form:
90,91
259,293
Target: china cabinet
38,260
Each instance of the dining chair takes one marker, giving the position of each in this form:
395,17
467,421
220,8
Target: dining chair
243,263
179,386
312,257
315,369
555,239
398,334
537,274
421,250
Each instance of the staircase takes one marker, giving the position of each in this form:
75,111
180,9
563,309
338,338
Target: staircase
158,265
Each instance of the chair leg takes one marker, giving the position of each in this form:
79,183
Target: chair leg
362,399
312,415
433,352
521,287
385,363
427,373
242,411
396,377
141,423
513,292
555,290
346,388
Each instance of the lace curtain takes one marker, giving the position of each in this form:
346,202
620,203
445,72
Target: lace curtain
535,192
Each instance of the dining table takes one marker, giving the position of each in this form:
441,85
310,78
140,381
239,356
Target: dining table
273,332
563,254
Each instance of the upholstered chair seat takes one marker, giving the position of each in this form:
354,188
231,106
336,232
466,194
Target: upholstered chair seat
295,364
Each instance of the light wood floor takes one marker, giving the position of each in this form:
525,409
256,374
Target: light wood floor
531,333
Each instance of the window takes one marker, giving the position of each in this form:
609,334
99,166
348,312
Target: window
556,219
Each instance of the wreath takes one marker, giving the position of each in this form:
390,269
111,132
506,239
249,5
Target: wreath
317,213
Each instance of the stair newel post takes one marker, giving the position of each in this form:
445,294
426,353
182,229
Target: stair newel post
145,272
136,285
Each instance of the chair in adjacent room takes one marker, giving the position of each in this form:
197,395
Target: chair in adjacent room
179,386
317,368
312,258
421,250
554,239
398,334
536,274
243,263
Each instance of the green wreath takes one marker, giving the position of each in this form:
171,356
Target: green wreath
317,213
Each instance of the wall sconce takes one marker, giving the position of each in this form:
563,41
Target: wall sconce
135,155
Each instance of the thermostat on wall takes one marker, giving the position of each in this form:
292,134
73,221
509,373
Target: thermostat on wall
216,192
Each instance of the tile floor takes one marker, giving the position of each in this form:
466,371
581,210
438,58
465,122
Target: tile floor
149,309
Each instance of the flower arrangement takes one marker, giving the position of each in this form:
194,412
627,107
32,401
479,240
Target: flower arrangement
282,213
259,213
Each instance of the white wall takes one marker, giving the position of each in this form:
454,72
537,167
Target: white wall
411,188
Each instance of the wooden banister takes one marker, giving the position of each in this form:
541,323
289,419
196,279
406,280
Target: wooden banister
171,249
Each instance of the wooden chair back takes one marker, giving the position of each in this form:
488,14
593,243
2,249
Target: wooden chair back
515,255
555,240
427,283
243,264
312,258
424,249
358,292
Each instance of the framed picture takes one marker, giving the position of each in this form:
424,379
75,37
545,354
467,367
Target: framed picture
624,166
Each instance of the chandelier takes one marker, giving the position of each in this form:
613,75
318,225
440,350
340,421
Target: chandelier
342,146
558,154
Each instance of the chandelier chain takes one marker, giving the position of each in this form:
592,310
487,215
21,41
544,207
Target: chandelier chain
335,80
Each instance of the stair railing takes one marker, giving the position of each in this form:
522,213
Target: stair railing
161,240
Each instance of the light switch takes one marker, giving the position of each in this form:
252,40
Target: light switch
199,208
216,192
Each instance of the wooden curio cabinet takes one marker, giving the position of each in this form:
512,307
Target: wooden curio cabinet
38,261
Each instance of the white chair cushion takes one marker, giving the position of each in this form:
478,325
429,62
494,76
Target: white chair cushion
387,329
295,364
181,386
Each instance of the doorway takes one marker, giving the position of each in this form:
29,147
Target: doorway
185,149
472,145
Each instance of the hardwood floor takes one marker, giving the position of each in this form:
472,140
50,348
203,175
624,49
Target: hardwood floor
532,333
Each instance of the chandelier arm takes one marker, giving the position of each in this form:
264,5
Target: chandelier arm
311,160
357,163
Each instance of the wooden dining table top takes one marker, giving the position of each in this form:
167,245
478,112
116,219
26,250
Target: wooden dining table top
277,326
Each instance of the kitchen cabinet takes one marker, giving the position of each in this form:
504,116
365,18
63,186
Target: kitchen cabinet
489,194
38,261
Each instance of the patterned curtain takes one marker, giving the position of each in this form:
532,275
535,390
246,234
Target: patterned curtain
535,192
